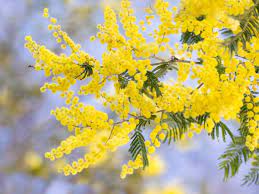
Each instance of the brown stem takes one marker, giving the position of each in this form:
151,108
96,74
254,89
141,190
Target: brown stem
158,58
198,87
176,60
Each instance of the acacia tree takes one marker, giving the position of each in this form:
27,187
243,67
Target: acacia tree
218,51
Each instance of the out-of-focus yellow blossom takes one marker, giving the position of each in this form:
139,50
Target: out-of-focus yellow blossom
156,167
32,160
4,94
170,189
173,190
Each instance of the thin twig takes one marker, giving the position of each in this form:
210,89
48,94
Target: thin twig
158,58
176,60
114,124
198,87
104,79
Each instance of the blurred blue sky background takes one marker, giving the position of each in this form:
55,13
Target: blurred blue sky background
28,130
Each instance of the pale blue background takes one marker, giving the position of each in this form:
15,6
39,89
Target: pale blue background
193,169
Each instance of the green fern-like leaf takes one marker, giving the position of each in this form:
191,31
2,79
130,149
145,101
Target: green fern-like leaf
152,83
162,68
249,25
178,125
137,147
201,120
87,71
235,154
220,67
252,177
124,79
222,128
191,37
169,136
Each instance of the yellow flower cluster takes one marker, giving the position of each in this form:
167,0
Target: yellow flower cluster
131,64
203,15
128,168
252,105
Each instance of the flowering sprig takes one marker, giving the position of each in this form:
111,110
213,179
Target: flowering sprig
226,84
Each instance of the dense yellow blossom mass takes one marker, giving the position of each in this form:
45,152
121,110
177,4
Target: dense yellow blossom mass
226,82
